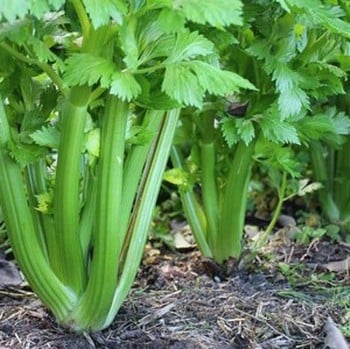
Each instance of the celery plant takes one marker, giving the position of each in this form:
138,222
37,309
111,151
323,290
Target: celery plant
282,50
90,96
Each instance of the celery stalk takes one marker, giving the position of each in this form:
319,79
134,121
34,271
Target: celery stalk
66,196
21,232
233,206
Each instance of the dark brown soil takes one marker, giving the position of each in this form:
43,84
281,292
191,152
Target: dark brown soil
180,301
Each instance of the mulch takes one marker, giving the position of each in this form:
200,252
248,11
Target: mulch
179,300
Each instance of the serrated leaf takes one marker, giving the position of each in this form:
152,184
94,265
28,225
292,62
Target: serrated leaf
101,13
43,53
25,154
245,130
292,102
188,46
18,32
182,85
277,157
277,129
327,16
84,68
217,81
292,98
47,136
339,120
39,7
229,131
171,21
218,13
316,126
125,86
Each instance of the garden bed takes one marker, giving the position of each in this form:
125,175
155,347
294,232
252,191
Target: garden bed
179,300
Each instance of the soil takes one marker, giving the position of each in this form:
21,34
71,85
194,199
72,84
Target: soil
182,301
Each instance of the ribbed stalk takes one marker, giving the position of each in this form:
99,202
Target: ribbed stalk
88,216
342,184
192,209
21,232
67,189
38,176
325,195
232,211
134,165
209,190
95,302
143,211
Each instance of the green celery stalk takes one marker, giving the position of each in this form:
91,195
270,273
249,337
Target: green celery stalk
37,173
143,210
325,194
233,205
192,209
96,300
23,237
67,189
209,191
342,184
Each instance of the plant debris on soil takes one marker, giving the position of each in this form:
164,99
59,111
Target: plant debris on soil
181,301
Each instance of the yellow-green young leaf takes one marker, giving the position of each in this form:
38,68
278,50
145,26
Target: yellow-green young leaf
182,85
218,13
177,176
101,12
324,15
45,202
125,86
84,68
92,144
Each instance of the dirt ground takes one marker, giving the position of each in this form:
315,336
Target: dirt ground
182,301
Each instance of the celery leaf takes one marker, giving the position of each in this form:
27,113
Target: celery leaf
181,84
277,129
101,13
47,136
84,68
217,13
125,86
189,46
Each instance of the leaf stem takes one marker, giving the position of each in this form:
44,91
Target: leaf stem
83,18
281,199
95,302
